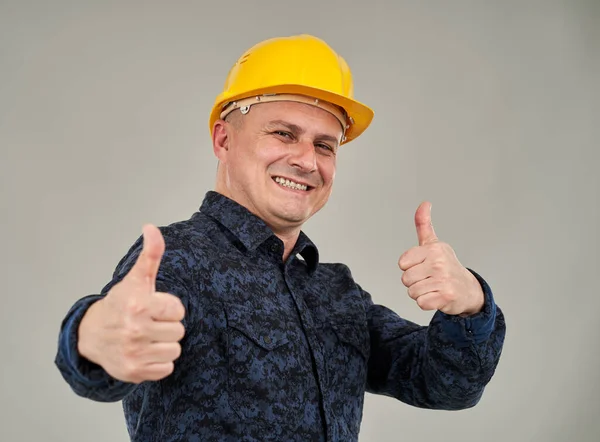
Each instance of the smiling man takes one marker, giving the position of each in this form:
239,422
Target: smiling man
278,161
227,327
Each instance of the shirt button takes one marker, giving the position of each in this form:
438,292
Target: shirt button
267,339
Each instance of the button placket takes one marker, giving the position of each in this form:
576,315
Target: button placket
315,345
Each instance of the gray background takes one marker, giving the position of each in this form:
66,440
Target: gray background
487,109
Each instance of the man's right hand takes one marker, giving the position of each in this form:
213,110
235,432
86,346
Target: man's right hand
134,331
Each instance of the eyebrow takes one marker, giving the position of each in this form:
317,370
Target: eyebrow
297,130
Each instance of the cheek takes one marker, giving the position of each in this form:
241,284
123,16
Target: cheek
273,151
269,151
327,170
252,158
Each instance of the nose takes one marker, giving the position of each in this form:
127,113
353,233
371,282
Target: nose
303,156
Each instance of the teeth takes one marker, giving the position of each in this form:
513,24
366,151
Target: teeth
290,184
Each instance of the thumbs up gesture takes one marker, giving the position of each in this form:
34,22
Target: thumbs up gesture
435,278
134,331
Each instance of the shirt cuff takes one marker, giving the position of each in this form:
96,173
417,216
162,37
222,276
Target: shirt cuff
473,329
85,371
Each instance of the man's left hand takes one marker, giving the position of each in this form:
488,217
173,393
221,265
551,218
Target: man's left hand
435,278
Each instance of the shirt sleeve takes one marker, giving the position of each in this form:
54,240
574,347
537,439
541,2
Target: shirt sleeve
445,365
85,378
88,379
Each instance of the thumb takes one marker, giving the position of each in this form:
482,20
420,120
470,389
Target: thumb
425,232
146,267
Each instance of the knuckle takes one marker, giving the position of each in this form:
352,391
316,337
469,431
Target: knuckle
439,246
179,309
411,293
171,306
135,306
133,352
131,369
405,258
130,353
181,331
176,351
438,265
162,309
162,305
448,297
451,296
404,279
169,367
442,279
133,332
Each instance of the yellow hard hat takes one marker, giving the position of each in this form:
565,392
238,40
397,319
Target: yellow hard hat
298,68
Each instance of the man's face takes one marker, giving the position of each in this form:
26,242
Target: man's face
279,160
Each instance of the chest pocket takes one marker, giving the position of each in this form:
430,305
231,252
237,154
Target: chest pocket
269,368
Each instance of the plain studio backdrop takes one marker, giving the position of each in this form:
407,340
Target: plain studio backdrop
490,110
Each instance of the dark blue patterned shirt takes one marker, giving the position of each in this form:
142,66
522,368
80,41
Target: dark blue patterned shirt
279,351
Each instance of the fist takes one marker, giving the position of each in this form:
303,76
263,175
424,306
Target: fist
134,331
435,278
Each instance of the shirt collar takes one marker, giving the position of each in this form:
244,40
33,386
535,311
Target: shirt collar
251,230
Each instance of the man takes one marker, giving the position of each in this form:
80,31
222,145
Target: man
227,327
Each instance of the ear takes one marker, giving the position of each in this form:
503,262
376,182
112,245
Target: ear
220,139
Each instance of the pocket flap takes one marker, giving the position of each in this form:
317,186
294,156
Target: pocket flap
264,330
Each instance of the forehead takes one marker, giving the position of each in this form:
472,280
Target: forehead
301,114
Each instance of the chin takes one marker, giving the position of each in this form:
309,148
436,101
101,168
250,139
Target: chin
292,217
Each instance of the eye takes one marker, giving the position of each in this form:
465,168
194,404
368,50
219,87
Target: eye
325,146
282,133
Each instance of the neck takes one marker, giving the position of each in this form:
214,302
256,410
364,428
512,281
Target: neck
288,235
289,238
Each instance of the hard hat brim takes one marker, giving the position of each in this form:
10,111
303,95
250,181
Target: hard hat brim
360,114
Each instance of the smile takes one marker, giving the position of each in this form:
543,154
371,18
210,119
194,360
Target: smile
290,184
